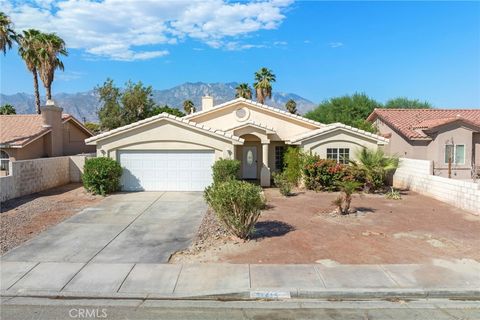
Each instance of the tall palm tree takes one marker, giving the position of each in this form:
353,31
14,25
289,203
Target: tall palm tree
51,47
243,90
263,84
29,47
291,106
7,34
189,107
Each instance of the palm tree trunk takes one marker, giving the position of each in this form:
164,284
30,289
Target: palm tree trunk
48,92
37,92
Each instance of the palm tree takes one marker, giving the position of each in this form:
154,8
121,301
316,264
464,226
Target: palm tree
243,91
189,107
29,47
263,84
376,165
291,106
51,46
7,34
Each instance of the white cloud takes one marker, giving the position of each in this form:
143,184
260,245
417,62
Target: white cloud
280,43
236,46
125,29
69,75
335,44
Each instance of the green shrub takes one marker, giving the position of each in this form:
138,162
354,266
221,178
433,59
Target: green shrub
375,165
321,174
294,160
225,169
281,181
237,205
101,175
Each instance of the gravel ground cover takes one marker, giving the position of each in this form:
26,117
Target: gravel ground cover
305,229
24,217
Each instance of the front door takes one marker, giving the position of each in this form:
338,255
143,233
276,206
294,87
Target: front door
249,162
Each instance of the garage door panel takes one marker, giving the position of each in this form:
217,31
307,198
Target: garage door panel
166,170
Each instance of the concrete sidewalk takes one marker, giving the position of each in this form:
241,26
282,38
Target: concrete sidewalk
460,278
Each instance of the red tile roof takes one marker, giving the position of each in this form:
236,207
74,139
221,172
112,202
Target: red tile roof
413,122
18,130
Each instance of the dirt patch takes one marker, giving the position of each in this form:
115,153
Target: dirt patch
303,229
25,217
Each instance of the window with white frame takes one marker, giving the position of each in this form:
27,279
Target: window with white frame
455,153
341,155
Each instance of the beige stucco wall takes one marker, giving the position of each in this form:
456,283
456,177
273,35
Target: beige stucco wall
225,119
476,143
400,147
165,135
436,150
74,140
33,150
338,139
52,116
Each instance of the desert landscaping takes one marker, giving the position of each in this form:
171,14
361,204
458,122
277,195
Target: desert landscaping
302,228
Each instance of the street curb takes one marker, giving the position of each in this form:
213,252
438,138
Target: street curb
270,294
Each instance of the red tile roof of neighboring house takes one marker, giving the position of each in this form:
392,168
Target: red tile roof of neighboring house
413,122
18,130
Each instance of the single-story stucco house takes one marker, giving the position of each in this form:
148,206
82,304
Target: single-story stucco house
49,134
165,152
440,135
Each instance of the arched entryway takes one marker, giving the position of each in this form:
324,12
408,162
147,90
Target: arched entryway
253,155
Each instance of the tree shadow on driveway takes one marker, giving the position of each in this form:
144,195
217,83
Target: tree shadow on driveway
270,229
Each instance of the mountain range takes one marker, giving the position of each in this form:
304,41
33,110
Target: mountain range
84,105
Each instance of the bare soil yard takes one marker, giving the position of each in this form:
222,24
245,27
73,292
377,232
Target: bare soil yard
302,229
25,217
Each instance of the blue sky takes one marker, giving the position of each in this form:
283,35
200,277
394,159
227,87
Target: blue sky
424,50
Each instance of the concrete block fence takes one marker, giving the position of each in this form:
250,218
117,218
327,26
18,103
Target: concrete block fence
417,175
35,175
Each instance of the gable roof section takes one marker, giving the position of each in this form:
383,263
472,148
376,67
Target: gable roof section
412,123
16,131
335,126
68,117
255,105
254,124
168,117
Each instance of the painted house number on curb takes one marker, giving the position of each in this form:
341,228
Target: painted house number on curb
270,295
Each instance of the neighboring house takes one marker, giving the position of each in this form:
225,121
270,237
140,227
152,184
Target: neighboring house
49,134
170,153
439,135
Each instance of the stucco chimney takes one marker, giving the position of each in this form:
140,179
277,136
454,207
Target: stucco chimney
52,118
207,103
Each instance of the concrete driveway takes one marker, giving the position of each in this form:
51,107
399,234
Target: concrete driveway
141,227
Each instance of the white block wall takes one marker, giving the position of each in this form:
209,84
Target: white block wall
416,175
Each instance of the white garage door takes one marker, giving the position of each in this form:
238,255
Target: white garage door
166,170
